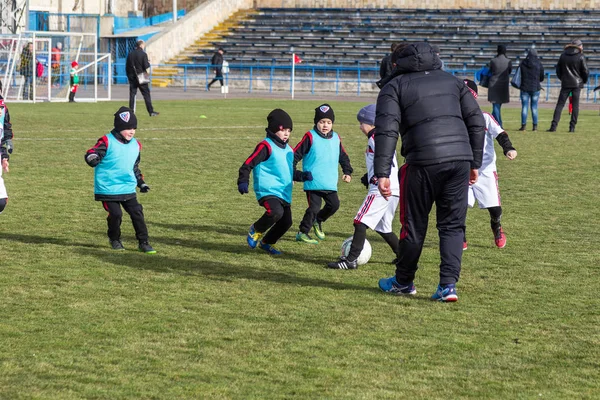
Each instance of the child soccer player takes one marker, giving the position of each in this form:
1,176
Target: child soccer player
485,190
320,151
376,212
6,148
115,159
74,83
272,162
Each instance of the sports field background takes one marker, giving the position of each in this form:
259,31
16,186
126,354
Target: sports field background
207,317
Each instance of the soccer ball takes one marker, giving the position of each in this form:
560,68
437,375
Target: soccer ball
365,254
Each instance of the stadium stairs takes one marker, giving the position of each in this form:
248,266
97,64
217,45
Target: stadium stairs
361,37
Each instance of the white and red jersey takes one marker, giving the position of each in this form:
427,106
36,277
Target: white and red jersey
370,159
492,130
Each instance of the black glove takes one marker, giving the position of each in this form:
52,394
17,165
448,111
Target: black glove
307,176
365,180
144,188
243,187
92,159
9,146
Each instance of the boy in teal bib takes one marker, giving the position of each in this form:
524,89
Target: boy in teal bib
273,165
115,159
320,151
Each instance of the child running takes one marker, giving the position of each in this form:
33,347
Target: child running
376,212
320,151
115,159
74,81
6,148
273,165
486,190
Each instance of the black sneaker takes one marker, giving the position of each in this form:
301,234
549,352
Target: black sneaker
146,248
116,245
154,114
343,263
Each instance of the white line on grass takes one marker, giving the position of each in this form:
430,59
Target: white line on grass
170,138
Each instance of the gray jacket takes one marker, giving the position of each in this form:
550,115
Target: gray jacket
500,68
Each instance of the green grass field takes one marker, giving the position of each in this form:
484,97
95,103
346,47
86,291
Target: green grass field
207,317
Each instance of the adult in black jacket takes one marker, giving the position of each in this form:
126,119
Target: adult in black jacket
573,73
137,63
386,67
217,62
442,130
532,74
498,90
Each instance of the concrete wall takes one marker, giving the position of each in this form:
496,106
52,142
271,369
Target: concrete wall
96,7
201,20
435,4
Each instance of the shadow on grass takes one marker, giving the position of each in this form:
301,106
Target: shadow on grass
214,270
228,229
34,239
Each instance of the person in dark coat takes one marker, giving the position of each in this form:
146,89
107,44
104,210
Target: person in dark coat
217,62
386,67
137,63
443,131
532,74
573,73
498,89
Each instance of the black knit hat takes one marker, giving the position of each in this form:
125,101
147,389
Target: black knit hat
278,120
125,119
472,86
324,111
501,49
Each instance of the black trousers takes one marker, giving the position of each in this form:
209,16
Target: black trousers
314,213
218,77
447,186
277,219
133,87
562,99
115,216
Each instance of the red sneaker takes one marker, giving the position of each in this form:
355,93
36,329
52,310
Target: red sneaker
465,246
500,238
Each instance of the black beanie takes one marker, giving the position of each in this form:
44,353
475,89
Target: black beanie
501,49
324,111
278,120
125,119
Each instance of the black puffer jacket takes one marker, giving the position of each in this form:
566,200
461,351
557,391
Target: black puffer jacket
436,116
572,69
532,73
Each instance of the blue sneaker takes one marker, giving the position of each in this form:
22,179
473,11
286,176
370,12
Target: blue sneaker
269,249
390,285
253,237
445,293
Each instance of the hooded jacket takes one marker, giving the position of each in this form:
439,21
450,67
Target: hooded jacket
572,69
434,113
532,73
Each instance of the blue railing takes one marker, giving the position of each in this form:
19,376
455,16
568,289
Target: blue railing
124,24
58,22
318,78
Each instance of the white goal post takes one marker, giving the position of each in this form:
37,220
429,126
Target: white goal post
35,66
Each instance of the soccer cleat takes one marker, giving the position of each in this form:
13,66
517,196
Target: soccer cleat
445,294
253,237
116,245
318,231
146,248
390,285
269,248
343,263
303,237
500,238
465,246
154,114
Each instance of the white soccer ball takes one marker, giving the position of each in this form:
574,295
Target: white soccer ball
365,254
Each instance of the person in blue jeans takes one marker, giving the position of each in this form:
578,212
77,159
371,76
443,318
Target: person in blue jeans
498,89
532,75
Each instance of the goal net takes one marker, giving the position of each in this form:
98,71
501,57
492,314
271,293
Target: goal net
37,66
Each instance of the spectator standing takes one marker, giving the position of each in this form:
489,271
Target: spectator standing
572,71
26,69
217,62
443,132
55,62
136,68
498,89
386,67
532,74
